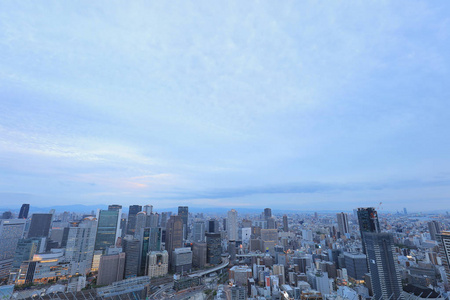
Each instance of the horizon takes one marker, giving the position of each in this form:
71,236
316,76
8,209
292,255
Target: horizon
282,105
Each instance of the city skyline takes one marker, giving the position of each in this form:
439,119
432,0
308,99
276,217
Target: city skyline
237,105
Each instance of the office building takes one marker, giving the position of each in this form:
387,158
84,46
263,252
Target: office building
213,248
148,209
267,213
183,212
182,260
174,235
23,214
43,269
40,225
213,226
232,226
368,222
80,245
199,253
356,265
199,231
342,220
11,231
132,248
385,276
158,264
111,268
108,227
285,224
132,212
434,227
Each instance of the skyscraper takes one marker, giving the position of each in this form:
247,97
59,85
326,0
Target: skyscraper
111,268
40,225
108,228
131,246
23,214
148,209
385,276
368,222
267,213
285,224
232,225
174,234
444,247
213,248
342,219
213,226
133,210
199,231
11,231
79,245
116,207
183,212
435,228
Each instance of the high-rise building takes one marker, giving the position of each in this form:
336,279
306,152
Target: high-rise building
342,220
213,226
444,247
158,263
11,231
108,228
267,213
183,212
79,245
23,214
132,248
132,212
174,235
232,226
213,248
385,276
40,225
182,260
199,255
434,228
199,231
148,209
285,224
368,222
116,207
111,268
356,265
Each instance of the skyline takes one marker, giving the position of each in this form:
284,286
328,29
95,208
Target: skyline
246,105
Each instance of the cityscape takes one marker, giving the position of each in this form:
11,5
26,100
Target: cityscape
224,150
142,253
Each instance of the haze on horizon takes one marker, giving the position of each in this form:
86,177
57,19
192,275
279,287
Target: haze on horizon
294,105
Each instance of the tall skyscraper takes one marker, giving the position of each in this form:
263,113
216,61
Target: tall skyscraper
108,228
199,231
11,231
342,219
368,222
213,226
174,234
434,228
385,276
132,212
23,214
232,225
132,248
148,209
444,247
40,225
213,248
183,212
285,224
267,213
80,244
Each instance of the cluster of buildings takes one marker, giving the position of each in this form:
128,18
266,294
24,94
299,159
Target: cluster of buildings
297,256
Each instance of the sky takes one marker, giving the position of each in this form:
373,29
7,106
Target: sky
296,105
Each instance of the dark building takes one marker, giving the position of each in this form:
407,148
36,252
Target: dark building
23,214
40,225
174,234
267,213
213,248
131,247
285,224
213,226
434,228
368,222
183,212
132,212
116,207
356,264
386,280
198,255
7,215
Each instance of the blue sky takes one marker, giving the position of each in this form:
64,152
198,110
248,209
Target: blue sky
293,105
